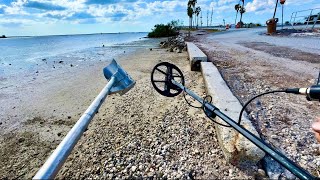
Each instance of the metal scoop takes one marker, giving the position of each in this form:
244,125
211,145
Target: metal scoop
123,82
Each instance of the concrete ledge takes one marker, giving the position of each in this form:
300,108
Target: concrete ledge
236,148
196,56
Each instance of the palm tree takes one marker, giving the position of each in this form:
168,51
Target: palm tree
197,12
237,8
190,13
191,4
242,11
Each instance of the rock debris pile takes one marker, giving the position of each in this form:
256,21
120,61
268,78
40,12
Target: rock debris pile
174,44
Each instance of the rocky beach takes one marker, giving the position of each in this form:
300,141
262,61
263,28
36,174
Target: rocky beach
138,135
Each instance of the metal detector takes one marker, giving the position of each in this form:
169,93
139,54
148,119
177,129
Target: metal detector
168,80
119,82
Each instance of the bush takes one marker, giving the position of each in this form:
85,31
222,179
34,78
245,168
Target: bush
161,30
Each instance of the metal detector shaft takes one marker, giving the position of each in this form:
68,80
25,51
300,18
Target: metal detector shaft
276,155
59,156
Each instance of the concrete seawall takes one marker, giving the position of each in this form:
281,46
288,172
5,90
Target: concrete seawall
237,149
195,56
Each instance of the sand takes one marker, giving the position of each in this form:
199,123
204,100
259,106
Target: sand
139,134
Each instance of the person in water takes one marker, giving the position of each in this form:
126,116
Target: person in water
316,129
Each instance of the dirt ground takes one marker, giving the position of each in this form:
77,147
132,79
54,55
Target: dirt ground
251,68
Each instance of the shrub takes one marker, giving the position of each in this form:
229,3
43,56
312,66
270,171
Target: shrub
162,30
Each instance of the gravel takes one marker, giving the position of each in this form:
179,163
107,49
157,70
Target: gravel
282,120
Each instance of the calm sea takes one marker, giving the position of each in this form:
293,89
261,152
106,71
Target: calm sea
24,53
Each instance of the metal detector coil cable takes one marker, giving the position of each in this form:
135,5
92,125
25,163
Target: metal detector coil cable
171,88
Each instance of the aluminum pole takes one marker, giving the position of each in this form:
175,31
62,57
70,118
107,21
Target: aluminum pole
275,9
276,155
52,166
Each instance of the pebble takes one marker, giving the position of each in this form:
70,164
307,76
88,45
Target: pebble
133,168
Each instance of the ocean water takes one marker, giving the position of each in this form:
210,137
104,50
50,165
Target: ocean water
23,54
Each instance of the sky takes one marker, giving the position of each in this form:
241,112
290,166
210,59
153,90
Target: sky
57,17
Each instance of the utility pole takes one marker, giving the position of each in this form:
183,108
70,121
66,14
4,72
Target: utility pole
207,18
201,19
282,3
211,16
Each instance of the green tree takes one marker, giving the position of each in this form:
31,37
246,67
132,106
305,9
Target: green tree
237,8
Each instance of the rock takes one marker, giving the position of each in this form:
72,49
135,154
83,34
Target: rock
261,173
20,140
171,50
272,167
289,175
60,62
133,168
179,50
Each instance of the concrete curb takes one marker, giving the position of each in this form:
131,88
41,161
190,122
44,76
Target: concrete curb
236,148
195,56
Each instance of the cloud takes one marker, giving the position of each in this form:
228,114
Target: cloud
103,2
15,22
260,5
11,24
54,16
118,16
81,15
44,6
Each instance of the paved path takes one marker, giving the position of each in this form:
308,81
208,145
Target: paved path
307,44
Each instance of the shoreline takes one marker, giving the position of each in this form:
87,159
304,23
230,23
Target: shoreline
71,34
19,92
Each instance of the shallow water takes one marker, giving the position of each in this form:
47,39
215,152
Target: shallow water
23,54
